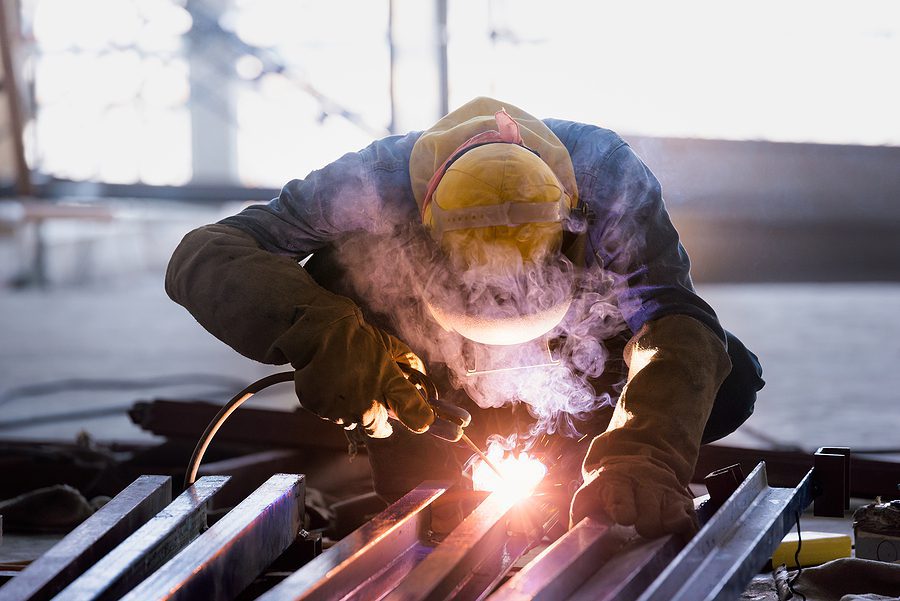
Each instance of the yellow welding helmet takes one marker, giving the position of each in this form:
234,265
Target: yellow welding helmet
495,199
497,210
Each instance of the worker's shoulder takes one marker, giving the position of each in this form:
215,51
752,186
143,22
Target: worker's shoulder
574,132
588,145
392,151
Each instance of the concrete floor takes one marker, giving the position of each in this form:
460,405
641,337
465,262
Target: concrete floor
830,352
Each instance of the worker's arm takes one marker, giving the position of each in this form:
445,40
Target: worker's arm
240,279
636,473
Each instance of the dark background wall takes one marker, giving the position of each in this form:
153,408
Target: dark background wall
763,211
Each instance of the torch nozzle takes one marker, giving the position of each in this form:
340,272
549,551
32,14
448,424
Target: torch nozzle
481,454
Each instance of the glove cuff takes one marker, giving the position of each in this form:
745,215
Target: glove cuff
676,365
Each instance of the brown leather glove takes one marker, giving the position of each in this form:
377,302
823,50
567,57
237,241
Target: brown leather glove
269,309
636,473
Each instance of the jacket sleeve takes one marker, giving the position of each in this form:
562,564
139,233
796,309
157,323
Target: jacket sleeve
241,279
632,237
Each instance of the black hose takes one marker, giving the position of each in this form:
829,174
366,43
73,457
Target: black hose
229,407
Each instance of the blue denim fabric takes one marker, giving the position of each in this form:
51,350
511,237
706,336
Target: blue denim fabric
629,230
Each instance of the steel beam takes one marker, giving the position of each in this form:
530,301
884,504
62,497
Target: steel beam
563,566
447,568
91,540
630,571
375,555
736,541
147,549
235,550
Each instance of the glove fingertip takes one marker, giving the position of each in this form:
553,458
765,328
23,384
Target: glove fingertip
417,418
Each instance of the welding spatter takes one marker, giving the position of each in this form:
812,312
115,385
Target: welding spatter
449,419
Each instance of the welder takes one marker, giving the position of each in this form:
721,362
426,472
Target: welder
493,195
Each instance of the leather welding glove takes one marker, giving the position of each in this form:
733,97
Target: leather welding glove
637,472
266,307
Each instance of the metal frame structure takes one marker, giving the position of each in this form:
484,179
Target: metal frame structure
90,541
436,543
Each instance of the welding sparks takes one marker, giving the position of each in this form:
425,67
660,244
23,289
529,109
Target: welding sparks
521,473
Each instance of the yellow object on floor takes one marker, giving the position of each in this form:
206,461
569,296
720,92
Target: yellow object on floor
816,548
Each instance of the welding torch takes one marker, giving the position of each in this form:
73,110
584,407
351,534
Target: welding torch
448,424
449,419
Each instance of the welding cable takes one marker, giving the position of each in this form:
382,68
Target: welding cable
797,561
226,410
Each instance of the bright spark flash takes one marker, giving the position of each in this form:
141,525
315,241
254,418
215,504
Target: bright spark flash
521,474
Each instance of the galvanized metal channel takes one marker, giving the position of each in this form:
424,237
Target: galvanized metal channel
235,550
91,540
447,569
566,564
376,555
151,546
625,576
734,544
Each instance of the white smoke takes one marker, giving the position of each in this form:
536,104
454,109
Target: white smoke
394,274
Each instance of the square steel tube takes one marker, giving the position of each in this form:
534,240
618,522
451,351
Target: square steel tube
482,533
563,566
91,540
222,561
361,556
151,546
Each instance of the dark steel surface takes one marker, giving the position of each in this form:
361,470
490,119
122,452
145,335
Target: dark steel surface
151,546
561,568
630,571
481,534
734,544
376,555
832,479
722,483
235,550
183,419
871,477
91,540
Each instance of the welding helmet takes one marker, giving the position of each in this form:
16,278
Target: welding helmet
496,209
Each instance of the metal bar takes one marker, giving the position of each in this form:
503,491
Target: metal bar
630,571
481,534
183,419
147,549
529,521
91,540
732,546
235,550
563,566
247,472
388,544
835,481
871,477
